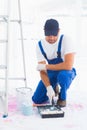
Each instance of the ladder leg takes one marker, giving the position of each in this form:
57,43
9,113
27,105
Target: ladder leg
5,100
22,41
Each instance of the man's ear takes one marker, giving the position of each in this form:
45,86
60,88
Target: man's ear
58,30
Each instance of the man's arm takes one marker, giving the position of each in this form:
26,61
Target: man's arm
66,65
46,82
44,76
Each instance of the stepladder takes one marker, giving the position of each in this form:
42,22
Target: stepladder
5,22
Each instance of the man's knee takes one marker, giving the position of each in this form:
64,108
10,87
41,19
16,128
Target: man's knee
64,79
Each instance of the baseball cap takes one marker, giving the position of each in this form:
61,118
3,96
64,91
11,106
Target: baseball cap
51,27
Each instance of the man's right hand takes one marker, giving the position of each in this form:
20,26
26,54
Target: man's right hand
50,93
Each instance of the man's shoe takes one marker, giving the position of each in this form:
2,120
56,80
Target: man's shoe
61,103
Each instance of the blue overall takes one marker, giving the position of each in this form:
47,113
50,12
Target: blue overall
62,77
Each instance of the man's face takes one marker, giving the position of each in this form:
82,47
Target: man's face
51,39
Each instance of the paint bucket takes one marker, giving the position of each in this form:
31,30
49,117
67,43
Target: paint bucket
24,100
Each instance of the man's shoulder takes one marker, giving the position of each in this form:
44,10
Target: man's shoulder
41,41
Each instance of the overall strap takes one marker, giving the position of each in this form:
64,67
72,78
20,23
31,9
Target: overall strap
59,46
42,50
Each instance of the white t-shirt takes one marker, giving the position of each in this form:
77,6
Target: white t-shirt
51,49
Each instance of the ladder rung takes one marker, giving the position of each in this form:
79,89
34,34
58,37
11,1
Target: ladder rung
2,93
16,20
3,41
23,39
1,21
3,18
13,78
3,67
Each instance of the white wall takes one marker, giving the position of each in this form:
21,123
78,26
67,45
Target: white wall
33,22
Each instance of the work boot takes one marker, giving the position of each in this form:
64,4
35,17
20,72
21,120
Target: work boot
61,103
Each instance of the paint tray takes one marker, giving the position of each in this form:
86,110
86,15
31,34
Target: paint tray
50,111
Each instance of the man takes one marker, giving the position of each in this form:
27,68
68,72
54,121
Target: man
55,56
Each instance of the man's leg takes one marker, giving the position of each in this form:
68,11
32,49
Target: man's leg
40,94
64,79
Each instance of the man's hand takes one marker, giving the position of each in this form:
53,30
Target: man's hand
41,67
50,93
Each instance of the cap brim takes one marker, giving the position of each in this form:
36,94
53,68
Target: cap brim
51,32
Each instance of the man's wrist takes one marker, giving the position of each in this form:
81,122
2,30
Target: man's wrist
46,66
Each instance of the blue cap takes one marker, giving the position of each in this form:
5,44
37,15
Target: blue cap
51,27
